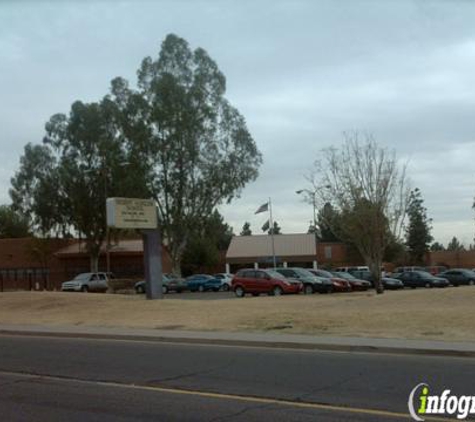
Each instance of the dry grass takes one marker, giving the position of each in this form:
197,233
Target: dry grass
442,314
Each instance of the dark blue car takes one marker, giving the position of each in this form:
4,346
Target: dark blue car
203,282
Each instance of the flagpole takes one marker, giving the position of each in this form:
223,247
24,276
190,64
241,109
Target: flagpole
272,233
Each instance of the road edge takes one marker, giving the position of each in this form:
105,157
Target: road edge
248,343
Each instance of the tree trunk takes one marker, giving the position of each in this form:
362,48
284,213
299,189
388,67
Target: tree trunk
375,268
176,253
94,262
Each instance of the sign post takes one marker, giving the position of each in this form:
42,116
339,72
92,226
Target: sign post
131,213
152,248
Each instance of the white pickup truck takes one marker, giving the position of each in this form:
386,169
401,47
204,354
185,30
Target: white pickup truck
87,282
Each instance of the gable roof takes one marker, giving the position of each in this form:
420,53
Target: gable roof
288,245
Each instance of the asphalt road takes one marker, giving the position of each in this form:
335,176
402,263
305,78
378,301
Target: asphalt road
53,379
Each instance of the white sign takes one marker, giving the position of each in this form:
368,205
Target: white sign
131,213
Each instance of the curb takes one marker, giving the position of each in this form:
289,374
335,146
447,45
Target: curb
329,347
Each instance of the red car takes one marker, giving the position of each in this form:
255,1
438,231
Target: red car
263,281
339,284
355,283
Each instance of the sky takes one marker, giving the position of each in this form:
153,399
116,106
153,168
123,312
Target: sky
301,72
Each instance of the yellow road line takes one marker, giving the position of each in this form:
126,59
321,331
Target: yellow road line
231,397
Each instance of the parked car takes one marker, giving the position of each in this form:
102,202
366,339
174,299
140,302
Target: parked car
399,270
421,279
339,284
350,269
459,276
87,282
263,281
311,283
226,280
170,283
203,283
388,282
435,269
355,283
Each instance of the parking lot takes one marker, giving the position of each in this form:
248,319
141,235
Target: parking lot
200,296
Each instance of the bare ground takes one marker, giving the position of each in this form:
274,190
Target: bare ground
439,314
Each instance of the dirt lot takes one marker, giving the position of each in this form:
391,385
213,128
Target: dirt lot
442,314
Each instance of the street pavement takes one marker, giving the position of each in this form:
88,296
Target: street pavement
88,379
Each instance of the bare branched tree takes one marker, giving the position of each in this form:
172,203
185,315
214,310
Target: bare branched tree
369,191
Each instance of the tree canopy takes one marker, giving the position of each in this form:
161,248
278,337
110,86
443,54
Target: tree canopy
174,138
455,245
194,144
246,229
327,222
275,229
62,185
418,230
203,249
367,188
437,246
12,223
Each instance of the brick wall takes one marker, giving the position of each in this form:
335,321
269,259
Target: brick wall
33,264
453,259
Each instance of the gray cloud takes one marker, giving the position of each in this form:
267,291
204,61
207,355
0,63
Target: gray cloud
301,72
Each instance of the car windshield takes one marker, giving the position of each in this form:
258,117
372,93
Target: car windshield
323,273
275,274
424,274
303,273
83,276
346,276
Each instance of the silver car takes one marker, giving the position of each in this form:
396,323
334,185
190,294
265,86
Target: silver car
87,282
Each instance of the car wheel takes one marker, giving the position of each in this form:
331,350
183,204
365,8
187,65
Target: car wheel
277,291
225,287
255,294
239,291
471,283
308,289
164,290
84,289
201,288
140,290
427,285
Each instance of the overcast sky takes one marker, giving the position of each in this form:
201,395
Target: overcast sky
301,72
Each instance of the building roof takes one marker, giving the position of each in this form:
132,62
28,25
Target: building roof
286,245
123,246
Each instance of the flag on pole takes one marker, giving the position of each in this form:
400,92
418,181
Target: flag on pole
262,208
266,226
